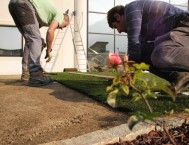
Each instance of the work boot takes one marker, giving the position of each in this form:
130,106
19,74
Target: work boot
39,79
180,82
25,76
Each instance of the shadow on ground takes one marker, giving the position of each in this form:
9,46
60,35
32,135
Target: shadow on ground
34,115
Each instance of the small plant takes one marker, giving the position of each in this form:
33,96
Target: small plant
130,81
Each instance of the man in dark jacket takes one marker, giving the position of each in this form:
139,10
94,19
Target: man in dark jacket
158,34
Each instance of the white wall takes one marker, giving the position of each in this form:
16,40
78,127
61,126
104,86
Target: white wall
5,17
8,65
12,65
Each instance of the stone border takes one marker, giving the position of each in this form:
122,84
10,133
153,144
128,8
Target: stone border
117,134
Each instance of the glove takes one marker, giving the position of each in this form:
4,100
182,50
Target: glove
48,55
43,44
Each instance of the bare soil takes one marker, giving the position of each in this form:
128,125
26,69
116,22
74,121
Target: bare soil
35,115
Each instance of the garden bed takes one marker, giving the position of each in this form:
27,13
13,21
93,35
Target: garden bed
176,136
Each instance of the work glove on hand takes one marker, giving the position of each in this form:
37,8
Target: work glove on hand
43,44
48,55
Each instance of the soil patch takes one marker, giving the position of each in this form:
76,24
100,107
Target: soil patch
35,115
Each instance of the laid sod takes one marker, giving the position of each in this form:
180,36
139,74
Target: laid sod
95,88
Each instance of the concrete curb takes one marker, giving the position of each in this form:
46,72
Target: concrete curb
116,134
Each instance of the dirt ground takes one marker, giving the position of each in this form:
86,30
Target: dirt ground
34,115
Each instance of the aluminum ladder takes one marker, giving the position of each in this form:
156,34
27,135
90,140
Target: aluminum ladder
80,54
56,46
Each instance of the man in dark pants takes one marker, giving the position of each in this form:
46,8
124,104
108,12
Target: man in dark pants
158,34
29,16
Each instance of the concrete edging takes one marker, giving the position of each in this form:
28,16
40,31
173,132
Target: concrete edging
116,134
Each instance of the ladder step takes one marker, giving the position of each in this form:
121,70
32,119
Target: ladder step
78,42
78,45
80,49
77,36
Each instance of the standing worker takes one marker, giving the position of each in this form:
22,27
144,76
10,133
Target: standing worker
158,34
29,16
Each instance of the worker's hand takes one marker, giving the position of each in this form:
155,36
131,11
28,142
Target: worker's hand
66,20
43,43
48,55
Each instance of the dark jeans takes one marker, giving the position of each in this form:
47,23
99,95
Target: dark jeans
25,19
169,54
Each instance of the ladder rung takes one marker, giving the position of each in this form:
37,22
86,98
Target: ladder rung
80,52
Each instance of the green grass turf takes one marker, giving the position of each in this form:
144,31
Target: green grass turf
95,88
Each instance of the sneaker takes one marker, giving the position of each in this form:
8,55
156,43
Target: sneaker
39,79
180,82
25,76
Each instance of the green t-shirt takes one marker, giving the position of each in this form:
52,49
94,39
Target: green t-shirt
46,12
